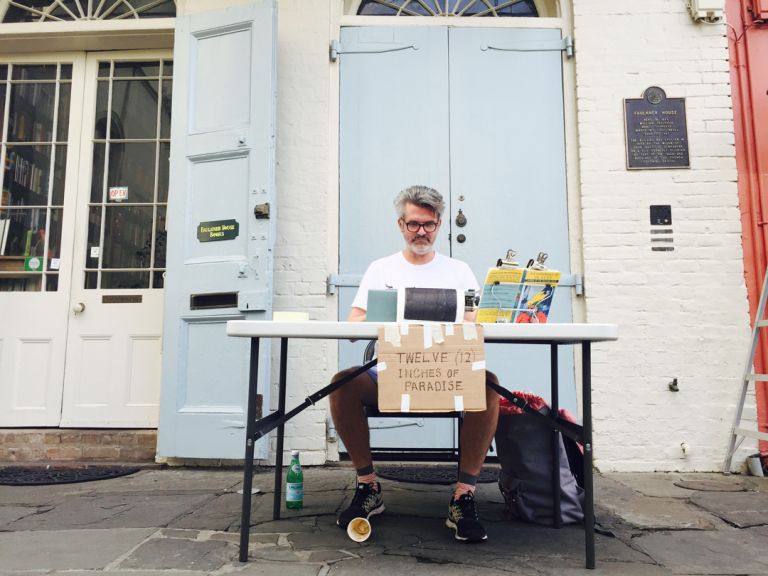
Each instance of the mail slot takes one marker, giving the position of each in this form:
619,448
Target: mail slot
213,300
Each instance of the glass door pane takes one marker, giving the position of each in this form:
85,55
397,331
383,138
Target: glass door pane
34,119
128,193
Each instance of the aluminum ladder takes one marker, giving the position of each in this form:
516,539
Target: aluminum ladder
738,434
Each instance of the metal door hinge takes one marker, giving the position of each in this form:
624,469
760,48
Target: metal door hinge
342,281
337,49
563,45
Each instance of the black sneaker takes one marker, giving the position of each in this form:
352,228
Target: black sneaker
462,517
366,502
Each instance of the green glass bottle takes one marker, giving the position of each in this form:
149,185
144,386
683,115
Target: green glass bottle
294,484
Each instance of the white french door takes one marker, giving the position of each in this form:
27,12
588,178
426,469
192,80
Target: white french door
85,146
114,340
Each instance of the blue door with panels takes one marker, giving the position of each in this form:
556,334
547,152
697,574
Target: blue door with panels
219,261
478,115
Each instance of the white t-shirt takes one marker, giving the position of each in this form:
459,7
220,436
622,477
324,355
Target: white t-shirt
396,272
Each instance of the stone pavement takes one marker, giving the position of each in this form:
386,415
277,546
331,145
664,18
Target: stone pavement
185,521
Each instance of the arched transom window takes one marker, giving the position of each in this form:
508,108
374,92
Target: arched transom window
500,8
68,10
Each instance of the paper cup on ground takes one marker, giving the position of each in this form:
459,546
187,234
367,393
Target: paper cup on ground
359,529
755,465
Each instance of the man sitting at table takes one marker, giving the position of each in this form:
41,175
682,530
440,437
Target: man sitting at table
419,211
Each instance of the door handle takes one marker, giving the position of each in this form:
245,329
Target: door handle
78,308
461,220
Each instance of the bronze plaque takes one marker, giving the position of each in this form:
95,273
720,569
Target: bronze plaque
121,299
655,131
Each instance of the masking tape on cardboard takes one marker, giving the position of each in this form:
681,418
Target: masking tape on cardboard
427,337
392,335
405,403
381,366
437,334
449,329
479,365
470,331
458,403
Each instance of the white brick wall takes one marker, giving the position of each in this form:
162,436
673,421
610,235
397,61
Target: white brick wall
684,313
304,223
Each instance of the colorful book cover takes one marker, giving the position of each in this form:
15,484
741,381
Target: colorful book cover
537,293
501,295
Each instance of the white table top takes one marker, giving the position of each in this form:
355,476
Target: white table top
553,332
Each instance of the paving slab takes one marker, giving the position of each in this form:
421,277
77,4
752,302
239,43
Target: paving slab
658,485
10,513
408,565
741,509
180,554
725,551
133,510
218,513
265,568
67,549
172,480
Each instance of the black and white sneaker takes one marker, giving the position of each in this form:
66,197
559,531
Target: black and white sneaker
462,517
366,502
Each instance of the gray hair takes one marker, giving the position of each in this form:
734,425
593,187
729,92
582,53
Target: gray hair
423,196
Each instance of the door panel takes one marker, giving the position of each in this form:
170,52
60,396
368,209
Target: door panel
112,376
222,168
508,175
39,97
482,125
393,133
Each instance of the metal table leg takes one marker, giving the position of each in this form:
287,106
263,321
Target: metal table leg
277,500
589,499
245,516
555,449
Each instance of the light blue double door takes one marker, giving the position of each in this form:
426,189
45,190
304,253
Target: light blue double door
478,115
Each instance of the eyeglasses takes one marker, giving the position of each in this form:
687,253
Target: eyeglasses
414,226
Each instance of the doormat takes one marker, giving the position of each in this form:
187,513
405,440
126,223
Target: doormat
431,474
42,475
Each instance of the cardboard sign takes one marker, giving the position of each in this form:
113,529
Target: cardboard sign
431,368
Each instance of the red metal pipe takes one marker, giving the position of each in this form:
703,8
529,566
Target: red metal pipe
748,48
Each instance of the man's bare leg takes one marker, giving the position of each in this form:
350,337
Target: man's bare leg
349,416
477,432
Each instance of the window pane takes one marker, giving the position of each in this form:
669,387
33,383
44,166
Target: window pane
127,237
27,170
62,124
158,279
97,172
134,109
51,282
165,109
54,238
2,107
162,168
23,232
59,175
34,72
125,280
92,249
160,237
102,99
91,280
66,72
3,72
20,282
31,112
104,69
132,165
168,68
137,69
